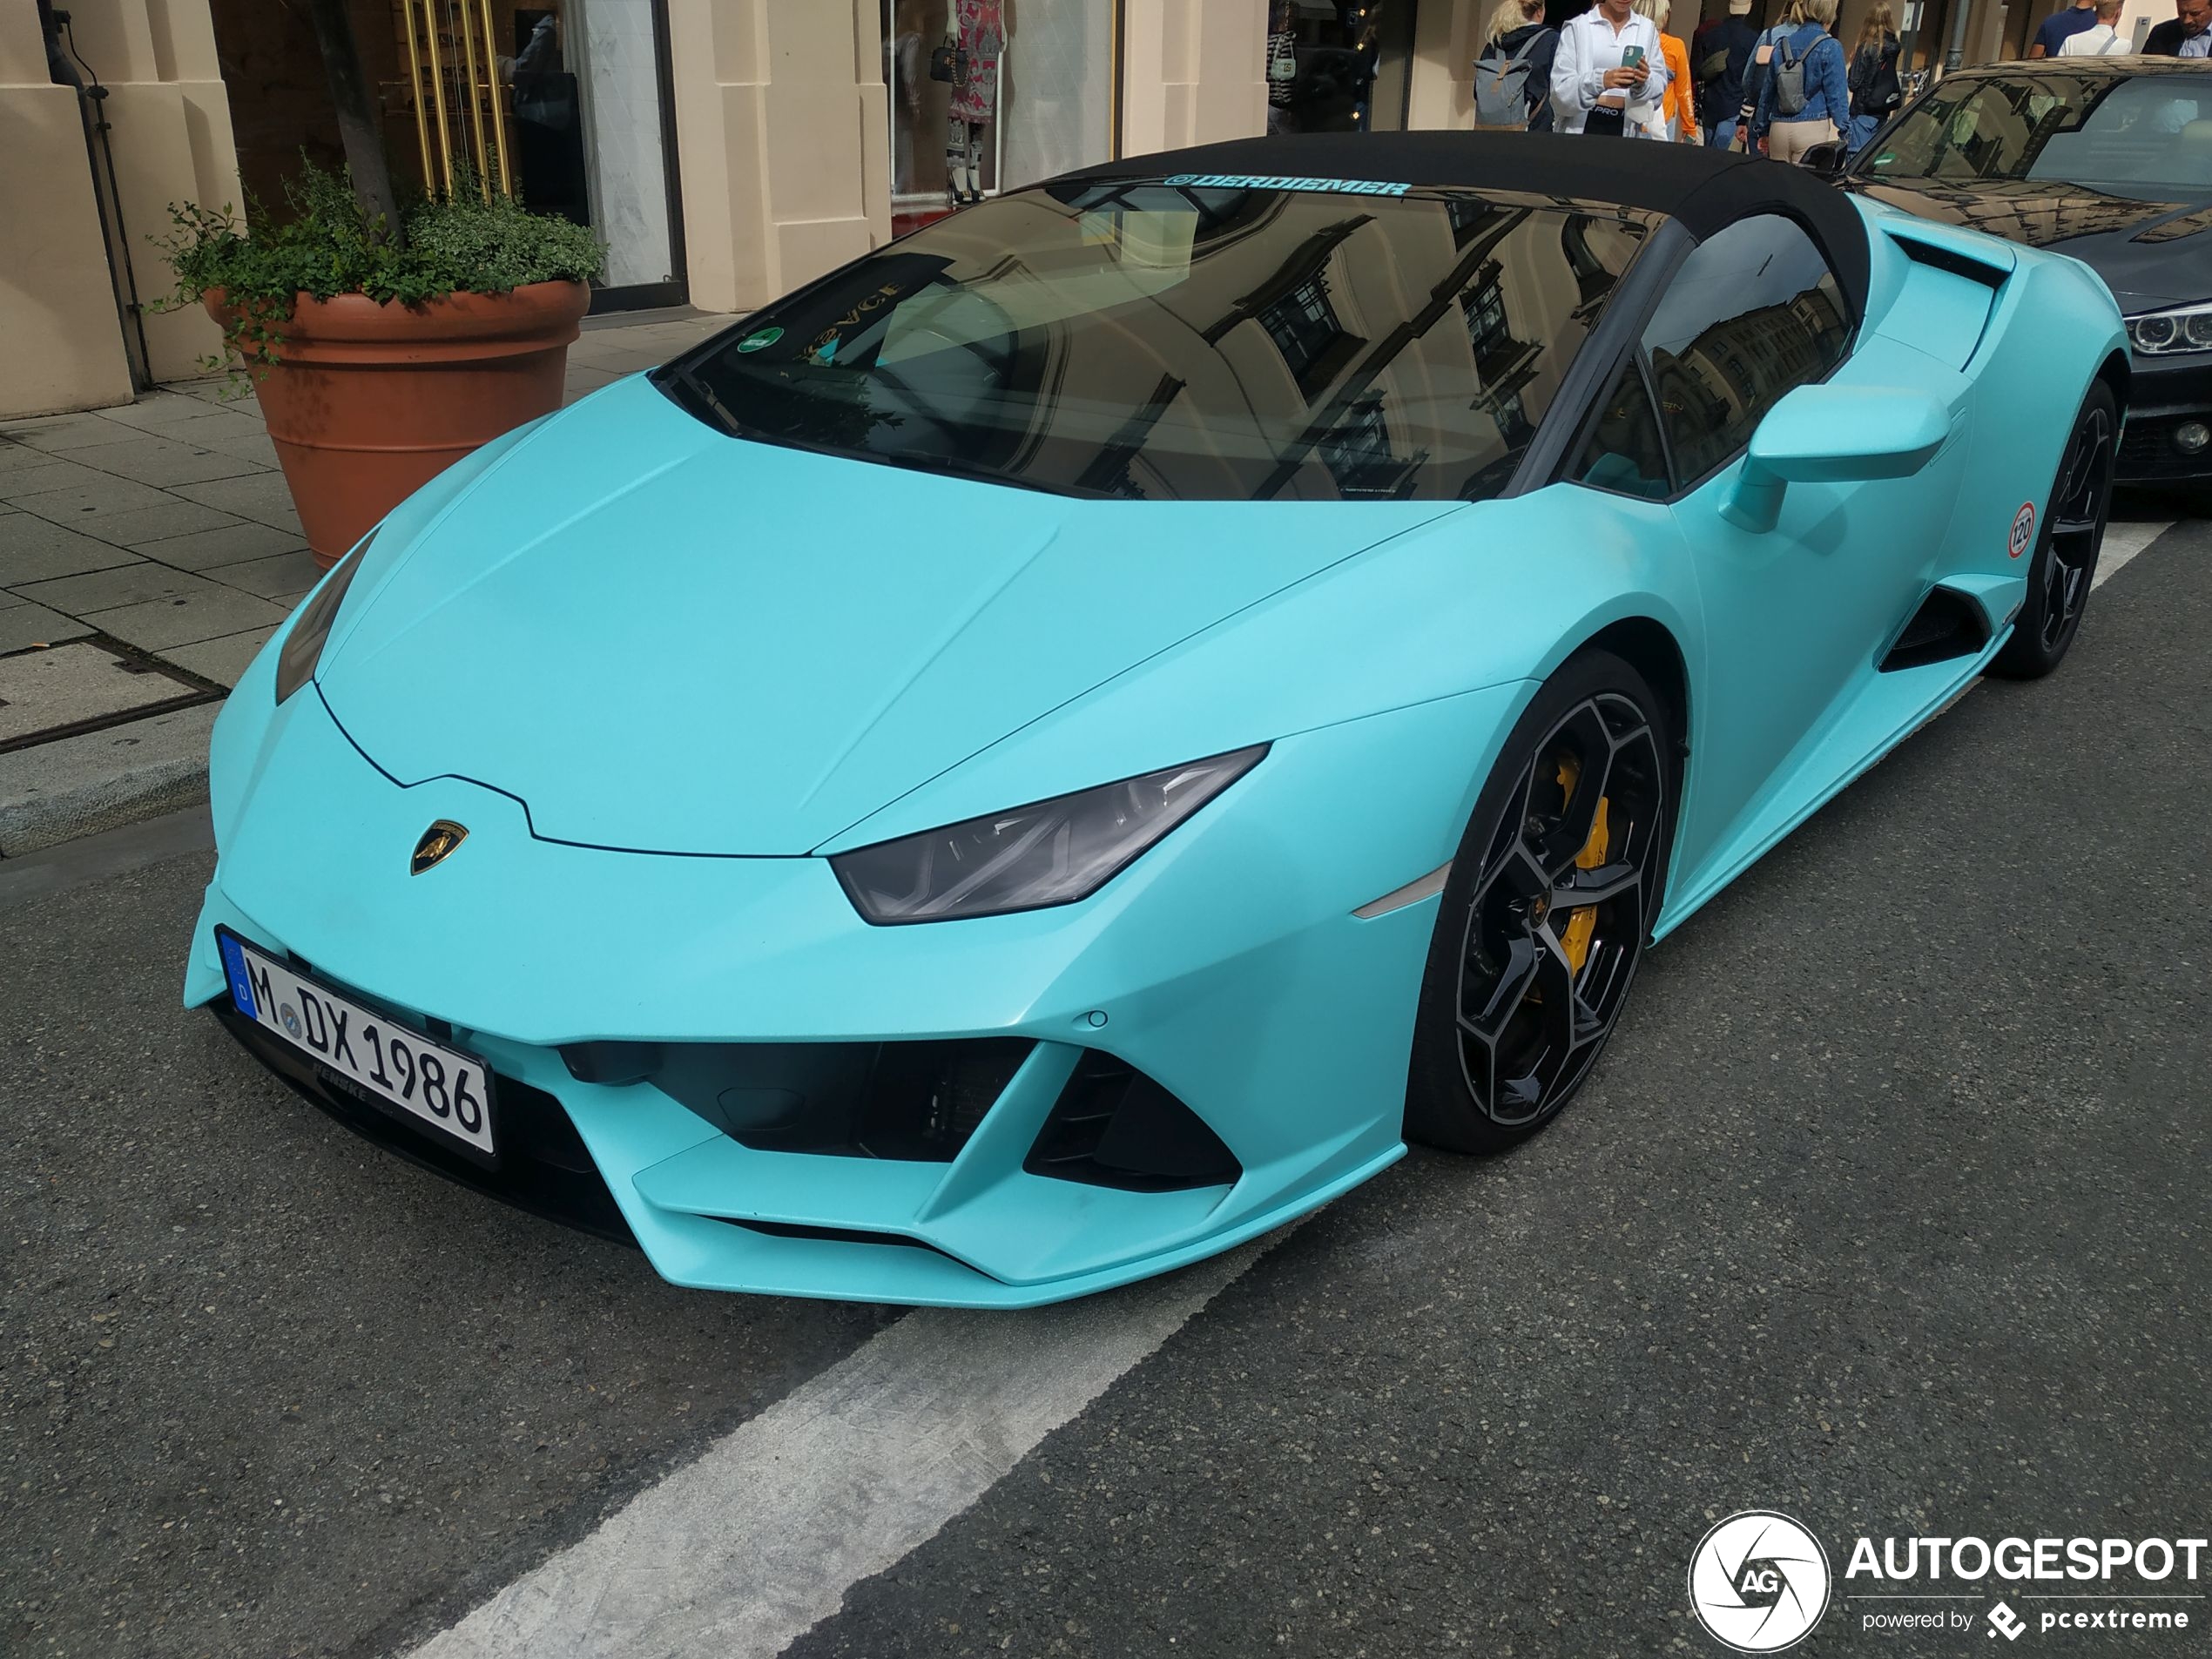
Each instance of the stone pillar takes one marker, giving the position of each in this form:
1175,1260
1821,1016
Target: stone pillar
170,121
61,347
1446,36
1193,71
784,142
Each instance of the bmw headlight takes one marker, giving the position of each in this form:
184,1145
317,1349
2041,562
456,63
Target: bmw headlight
1053,853
2161,334
302,647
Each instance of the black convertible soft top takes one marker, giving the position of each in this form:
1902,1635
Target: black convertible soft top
1705,189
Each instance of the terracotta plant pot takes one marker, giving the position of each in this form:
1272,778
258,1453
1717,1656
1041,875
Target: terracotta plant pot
368,403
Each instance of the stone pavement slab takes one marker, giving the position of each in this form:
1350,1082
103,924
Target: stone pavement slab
159,461
34,549
188,618
220,660
25,625
262,497
125,584
230,544
273,578
91,496
41,690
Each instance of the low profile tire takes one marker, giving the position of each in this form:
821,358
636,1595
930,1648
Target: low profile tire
2066,552
1547,911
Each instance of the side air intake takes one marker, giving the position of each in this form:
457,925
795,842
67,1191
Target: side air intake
1947,624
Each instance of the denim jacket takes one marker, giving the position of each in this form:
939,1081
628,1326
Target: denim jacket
1827,84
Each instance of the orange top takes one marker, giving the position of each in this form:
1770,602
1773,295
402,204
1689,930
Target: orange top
1677,101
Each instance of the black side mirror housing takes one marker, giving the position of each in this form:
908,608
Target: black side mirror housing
1826,159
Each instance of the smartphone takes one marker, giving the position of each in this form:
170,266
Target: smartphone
1632,57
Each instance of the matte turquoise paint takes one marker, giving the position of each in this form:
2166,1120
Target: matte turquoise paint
865,652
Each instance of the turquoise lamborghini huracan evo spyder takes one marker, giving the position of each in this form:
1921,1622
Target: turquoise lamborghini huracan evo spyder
1062,744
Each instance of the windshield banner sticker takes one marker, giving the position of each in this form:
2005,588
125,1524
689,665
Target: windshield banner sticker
1260,181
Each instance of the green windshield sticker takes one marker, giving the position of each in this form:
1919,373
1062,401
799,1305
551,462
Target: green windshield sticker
1259,181
765,337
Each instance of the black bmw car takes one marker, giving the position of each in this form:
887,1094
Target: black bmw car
2108,160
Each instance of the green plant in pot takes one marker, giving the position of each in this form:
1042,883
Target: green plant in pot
384,340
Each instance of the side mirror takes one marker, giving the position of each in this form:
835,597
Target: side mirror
1833,435
1826,159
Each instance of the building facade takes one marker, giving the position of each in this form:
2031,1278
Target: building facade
724,151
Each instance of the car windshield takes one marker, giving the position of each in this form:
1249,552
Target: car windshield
2149,137
1187,341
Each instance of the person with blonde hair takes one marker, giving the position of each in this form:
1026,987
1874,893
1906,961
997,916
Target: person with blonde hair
1875,91
1517,53
1806,94
1675,117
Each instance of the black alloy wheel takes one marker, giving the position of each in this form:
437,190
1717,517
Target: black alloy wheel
1547,911
2066,553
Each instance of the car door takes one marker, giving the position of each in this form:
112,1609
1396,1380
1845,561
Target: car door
1793,615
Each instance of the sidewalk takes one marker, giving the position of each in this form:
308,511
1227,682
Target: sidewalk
146,553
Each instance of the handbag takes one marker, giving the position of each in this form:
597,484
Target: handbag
948,63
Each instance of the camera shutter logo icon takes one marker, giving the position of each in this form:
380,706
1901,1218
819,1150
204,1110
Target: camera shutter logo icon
1758,1581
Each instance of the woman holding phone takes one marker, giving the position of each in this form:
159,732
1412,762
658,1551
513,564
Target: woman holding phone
1608,75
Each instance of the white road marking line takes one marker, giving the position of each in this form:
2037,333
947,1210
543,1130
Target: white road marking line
2121,543
737,1554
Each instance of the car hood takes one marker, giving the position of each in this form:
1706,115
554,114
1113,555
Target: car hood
2149,253
662,638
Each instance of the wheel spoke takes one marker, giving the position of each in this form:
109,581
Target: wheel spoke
1609,881
1513,982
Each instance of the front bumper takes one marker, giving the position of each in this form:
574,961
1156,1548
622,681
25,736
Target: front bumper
2162,394
1225,966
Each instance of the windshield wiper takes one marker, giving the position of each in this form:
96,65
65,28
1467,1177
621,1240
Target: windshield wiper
701,398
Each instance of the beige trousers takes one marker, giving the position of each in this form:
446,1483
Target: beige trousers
1787,140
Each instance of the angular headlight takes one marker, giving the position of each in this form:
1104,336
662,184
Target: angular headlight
2161,334
302,647
1053,853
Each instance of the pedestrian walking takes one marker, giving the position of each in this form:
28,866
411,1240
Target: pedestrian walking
1676,117
1806,92
1874,88
2060,26
1608,75
2103,39
1513,77
1723,52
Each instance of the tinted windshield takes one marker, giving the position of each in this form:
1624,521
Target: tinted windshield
1175,342
2149,138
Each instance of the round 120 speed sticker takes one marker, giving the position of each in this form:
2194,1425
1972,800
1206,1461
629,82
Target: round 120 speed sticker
2022,536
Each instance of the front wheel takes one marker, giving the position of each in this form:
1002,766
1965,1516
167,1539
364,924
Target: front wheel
2066,554
1546,911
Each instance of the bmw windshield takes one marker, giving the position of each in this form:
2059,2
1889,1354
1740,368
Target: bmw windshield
1186,339
2149,137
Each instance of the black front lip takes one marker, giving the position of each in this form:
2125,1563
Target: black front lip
542,1167
2161,392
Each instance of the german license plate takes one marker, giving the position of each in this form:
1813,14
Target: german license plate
408,1073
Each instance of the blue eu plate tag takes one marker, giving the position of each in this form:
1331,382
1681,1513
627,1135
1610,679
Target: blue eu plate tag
234,966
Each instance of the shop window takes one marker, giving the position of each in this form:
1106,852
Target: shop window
1038,100
1339,65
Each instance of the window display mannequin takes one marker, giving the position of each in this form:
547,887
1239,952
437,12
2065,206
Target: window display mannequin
976,28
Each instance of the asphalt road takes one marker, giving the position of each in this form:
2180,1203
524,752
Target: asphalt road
1887,1207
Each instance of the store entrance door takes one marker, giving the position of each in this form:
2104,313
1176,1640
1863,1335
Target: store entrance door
1339,65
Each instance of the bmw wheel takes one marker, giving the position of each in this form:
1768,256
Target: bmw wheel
1547,911
2066,555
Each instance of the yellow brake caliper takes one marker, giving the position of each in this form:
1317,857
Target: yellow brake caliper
1582,924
